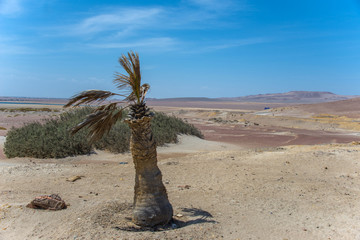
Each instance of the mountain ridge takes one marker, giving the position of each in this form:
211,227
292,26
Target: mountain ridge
288,97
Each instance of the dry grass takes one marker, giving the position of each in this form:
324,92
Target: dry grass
342,121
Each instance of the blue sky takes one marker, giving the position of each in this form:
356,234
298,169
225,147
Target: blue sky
187,48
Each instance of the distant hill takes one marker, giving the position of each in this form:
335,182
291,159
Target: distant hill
293,97
185,99
289,97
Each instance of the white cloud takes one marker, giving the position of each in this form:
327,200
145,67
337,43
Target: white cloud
11,45
14,49
126,21
148,27
163,43
237,43
10,7
225,44
118,20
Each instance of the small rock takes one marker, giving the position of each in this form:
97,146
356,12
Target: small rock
172,163
74,178
51,202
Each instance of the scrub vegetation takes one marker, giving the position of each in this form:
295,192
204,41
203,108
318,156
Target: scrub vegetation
52,138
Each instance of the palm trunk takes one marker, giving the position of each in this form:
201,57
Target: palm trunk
151,204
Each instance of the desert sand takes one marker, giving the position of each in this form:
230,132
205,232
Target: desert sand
273,174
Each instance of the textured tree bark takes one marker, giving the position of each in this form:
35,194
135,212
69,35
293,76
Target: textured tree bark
151,204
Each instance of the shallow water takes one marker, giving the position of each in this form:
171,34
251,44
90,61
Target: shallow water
31,103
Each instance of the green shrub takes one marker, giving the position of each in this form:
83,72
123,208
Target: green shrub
52,139
117,140
166,129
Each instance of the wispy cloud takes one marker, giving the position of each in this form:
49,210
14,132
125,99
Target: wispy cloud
217,45
10,7
236,43
164,43
121,19
155,27
191,14
11,45
14,49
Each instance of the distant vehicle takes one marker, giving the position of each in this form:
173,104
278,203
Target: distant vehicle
266,108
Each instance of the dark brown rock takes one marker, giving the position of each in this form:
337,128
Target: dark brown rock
50,202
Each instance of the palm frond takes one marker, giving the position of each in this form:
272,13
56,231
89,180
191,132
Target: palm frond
89,96
100,121
121,81
132,82
130,98
144,89
105,116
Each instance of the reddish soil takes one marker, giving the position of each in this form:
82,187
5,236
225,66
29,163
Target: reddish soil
215,105
289,125
258,137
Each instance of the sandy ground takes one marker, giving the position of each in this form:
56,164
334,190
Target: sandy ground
257,190
294,192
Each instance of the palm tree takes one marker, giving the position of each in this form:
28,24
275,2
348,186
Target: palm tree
151,204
